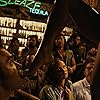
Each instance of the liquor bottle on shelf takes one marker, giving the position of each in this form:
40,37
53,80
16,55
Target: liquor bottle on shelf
10,32
4,30
5,22
15,20
7,32
0,31
0,21
9,24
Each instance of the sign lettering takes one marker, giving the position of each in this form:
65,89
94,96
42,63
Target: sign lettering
33,6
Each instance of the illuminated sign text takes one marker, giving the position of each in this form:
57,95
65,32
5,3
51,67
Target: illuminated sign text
33,6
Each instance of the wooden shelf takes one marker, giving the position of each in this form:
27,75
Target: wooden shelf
7,27
32,30
12,36
21,29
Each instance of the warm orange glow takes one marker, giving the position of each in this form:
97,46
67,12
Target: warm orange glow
92,3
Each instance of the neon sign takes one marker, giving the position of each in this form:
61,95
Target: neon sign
34,7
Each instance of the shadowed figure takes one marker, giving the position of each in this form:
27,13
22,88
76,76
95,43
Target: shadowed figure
54,27
9,77
95,84
83,16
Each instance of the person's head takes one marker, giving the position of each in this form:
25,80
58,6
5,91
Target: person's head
14,44
8,72
89,67
56,72
93,51
60,41
70,43
32,41
76,39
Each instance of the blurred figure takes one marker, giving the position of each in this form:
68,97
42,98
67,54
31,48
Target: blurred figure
70,43
77,40
75,48
28,55
29,52
1,42
63,53
82,51
32,45
91,53
9,78
58,87
82,87
79,50
14,47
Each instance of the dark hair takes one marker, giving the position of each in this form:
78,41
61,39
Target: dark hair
36,37
32,36
89,60
74,36
52,73
55,46
14,39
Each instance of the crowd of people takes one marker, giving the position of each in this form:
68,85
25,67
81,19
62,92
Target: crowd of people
66,77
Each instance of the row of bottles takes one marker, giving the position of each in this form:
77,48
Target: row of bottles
25,33
8,22
22,33
27,25
7,31
6,41
32,25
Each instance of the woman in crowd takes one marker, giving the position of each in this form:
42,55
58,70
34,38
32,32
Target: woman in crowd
58,86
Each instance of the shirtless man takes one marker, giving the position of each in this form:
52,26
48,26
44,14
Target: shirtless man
9,78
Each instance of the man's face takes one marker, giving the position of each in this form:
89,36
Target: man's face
31,42
60,41
9,69
15,45
88,71
77,40
93,51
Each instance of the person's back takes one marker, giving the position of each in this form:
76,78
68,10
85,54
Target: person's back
82,87
82,90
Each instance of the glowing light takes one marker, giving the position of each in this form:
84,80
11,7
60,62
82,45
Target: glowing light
33,6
